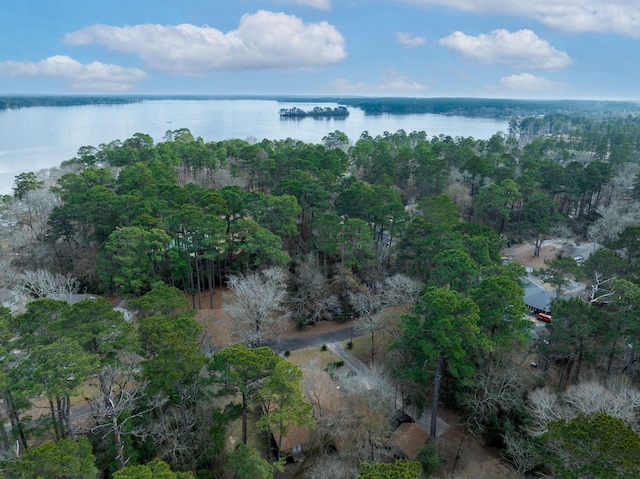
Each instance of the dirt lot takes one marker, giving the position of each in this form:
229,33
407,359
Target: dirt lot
523,253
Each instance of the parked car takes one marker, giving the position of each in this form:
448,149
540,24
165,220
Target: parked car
544,317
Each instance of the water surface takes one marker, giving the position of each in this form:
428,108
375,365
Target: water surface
38,138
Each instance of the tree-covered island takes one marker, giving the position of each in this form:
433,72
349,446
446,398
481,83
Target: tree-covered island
316,112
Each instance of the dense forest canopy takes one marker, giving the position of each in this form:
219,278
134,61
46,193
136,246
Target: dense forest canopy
298,233
24,101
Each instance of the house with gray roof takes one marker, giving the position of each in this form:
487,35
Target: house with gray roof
536,297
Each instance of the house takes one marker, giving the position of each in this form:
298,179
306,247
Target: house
326,399
407,440
536,297
296,441
577,252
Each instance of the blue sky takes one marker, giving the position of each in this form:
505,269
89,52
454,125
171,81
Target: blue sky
419,48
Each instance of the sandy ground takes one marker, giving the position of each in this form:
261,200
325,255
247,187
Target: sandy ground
523,253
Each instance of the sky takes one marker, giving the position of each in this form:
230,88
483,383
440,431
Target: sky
533,49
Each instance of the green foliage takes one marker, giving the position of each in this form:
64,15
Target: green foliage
455,269
441,212
129,258
401,469
239,369
246,463
156,469
429,457
161,300
62,459
596,445
171,345
24,183
502,310
58,368
283,402
443,326
98,328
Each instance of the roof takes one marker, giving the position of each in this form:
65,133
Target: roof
409,438
296,436
323,394
536,296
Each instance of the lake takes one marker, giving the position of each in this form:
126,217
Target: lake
37,138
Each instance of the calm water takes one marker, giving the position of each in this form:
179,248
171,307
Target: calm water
37,138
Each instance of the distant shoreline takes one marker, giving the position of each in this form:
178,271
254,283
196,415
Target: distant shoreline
474,107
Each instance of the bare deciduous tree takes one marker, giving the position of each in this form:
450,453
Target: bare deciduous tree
8,274
29,215
44,284
613,219
332,466
119,393
311,301
257,304
618,399
400,290
375,385
498,389
367,303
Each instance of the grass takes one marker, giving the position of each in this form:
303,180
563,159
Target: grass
302,356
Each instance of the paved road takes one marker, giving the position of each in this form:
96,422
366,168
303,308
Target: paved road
303,342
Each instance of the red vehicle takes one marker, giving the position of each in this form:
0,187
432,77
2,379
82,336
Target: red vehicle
544,317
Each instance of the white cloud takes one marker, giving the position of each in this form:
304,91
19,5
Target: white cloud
526,83
319,4
597,16
392,82
521,48
79,76
409,39
263,40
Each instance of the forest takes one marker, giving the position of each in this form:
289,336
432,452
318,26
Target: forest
106,372
25,101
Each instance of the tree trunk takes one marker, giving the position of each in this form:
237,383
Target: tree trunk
6,445
16,423
372,345
610,358
576,378
436,395
212,283
185,425
118,438
198,285
244,418
66,411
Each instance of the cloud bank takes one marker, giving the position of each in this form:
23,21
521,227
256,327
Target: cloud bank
319,4
392,82
91,76
518,49
528,83
263,40
409,39
595,16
